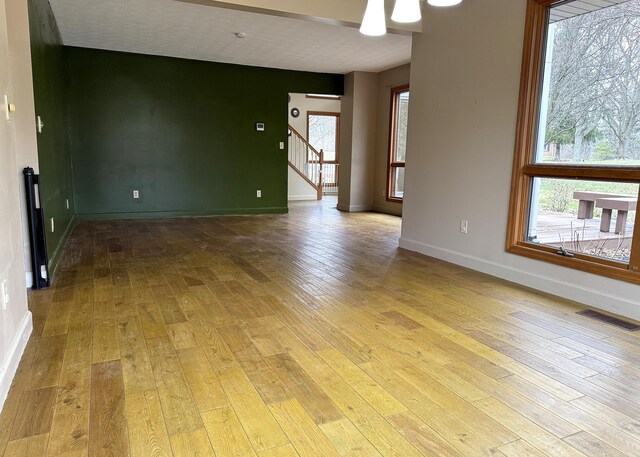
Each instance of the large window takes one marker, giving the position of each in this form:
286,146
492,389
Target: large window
323,134
577,164
397,142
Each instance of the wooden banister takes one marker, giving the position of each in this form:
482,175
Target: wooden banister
307,144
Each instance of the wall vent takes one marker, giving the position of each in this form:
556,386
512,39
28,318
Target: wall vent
597,315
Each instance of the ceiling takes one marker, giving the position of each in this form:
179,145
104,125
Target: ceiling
202,32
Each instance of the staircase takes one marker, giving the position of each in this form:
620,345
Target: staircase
309,163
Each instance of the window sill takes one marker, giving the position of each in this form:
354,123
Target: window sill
601,267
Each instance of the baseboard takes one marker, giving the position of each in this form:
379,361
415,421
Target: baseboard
55,257
14,354
298,198
172,214
590,297
354,208
387,210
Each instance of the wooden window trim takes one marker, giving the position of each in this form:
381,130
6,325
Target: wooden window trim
391,163
524,168
337,116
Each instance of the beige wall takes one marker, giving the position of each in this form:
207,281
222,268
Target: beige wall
16,319
387,80
298,188
24,118
357,142
465,74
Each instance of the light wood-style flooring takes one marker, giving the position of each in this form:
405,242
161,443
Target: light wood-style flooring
307,334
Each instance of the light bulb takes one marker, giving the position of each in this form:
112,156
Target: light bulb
374,21
444,2
406,11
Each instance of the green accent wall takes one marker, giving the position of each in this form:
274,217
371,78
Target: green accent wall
182,132
54,155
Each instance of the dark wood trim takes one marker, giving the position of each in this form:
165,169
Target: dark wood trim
525,170
337,116
584,172
391,162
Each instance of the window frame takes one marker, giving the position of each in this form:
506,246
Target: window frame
525,169
392,164
327,114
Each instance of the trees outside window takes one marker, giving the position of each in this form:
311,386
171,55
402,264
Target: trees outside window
397,142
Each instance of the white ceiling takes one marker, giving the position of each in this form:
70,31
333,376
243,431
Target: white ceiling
192,31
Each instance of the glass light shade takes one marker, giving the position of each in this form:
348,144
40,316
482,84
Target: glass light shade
444,2
374,22
406,11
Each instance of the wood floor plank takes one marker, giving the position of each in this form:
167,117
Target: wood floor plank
105,340
35,413
203,382
306,438
147,432
226,433
107,424
194,444
348,440
261,428
313,400
33,446
47,362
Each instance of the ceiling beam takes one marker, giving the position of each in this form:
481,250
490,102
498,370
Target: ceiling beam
335,12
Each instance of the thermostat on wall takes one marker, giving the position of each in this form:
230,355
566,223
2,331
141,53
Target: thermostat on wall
260,127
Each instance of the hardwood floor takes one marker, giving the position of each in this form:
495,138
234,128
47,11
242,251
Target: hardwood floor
308,334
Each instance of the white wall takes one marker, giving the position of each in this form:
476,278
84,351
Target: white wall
465,74
298,188
387,80
16,319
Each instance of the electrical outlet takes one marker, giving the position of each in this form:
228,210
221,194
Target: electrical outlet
53,226
4,294
464,226
136,194
259,193
67,203
282,145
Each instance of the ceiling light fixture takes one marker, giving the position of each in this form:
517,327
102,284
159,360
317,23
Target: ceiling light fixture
374,22
444,2
406,11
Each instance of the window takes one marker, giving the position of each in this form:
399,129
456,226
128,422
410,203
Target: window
323,134
397,142
576,177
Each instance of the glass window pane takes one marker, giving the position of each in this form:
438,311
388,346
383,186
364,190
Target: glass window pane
397,182
402,115
323,131
590,217
591,92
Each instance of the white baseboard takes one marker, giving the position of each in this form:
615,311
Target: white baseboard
590,297
14,354
296,198
354,208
